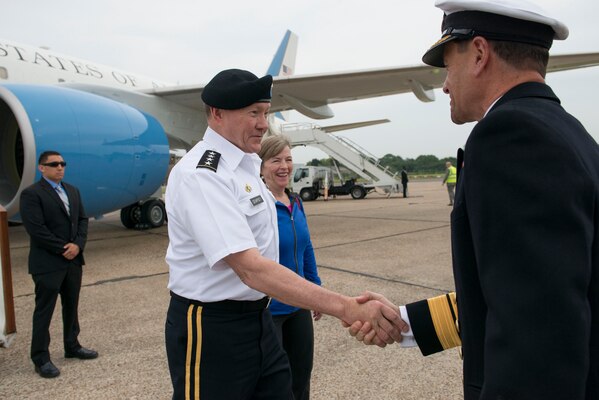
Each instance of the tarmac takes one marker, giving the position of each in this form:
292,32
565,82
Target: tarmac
392,245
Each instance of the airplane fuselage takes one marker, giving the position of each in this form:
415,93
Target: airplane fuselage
28,64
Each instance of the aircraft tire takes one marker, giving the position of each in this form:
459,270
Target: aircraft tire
131,215
153,213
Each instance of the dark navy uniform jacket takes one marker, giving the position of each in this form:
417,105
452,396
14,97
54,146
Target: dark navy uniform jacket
525,242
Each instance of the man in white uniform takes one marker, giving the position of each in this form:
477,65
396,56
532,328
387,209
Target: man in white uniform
223,254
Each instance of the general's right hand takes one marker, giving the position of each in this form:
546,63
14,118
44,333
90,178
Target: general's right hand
383,319
364,331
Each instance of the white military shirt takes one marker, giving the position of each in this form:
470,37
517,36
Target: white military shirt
212,214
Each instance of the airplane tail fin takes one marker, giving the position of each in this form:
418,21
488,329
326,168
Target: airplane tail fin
283,62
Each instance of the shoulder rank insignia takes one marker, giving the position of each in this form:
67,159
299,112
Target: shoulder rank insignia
209,160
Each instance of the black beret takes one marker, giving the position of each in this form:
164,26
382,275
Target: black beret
494,20
232,89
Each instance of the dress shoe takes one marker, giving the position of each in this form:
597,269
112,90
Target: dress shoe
47,370
81,353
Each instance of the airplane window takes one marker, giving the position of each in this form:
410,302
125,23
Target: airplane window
3,73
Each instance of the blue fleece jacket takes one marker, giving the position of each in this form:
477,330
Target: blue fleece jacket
295,248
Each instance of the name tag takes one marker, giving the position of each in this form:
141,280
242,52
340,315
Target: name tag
257,200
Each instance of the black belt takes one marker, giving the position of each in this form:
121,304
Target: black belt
239,306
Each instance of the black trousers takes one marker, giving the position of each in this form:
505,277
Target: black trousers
405,189
219,353
296,333
48,286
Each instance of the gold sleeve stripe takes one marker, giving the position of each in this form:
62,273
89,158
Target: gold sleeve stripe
451,300
443,321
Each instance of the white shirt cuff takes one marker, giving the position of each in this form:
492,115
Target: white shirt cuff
408,339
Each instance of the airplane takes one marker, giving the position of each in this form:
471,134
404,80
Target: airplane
118,129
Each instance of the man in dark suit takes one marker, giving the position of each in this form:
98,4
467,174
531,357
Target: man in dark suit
404,181
55,220
525,255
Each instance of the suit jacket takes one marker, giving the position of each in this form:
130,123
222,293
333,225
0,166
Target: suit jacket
525,244
404,177
50,227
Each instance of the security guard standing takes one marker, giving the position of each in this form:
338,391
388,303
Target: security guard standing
223,252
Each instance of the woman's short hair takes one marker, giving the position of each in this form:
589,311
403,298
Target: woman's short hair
273,145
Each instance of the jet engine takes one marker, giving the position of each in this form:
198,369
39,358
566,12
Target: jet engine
116,155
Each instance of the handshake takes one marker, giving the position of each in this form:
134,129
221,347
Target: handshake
382,325
433,322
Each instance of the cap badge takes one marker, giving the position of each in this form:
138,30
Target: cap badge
442,40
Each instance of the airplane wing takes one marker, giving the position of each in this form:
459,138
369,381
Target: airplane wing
353,125
572,61
305,93
311,94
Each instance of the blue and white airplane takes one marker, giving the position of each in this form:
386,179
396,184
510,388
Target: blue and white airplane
116,128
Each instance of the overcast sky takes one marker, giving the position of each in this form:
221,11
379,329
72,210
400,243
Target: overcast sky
188,41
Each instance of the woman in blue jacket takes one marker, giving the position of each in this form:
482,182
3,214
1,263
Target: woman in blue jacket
294,325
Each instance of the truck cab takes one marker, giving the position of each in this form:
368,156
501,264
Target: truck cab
309,182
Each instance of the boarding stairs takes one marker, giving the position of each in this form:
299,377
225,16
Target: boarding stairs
344,151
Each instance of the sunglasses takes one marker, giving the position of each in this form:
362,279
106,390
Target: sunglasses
55,164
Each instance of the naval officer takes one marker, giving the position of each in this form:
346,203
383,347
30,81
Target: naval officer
222,255
525,259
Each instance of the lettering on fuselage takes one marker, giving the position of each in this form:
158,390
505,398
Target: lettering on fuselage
60,63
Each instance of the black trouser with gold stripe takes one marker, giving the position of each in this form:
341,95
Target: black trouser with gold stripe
225,350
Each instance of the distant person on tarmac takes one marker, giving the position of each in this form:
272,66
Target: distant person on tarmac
450,179
404,181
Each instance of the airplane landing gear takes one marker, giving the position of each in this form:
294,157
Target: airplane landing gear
144,215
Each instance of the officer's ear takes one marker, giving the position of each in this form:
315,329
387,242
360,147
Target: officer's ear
216,113
481,51
213,113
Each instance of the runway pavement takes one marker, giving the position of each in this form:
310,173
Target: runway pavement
395,246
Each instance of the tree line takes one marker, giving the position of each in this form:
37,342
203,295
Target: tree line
421,165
